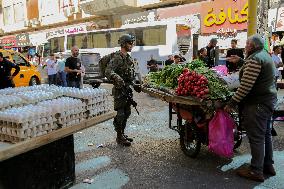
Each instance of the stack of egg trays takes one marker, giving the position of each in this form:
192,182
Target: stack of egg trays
97,106
71,116
20,131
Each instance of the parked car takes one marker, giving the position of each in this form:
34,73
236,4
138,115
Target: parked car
28,75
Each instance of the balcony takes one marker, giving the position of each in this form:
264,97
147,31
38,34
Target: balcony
109,7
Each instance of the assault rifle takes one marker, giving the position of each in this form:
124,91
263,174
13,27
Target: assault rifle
127,92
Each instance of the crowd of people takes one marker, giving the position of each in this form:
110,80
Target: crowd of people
65,72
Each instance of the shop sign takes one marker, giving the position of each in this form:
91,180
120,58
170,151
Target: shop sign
76,30
23,40
8,42
146,16
66,31
56,33
226,33
217,14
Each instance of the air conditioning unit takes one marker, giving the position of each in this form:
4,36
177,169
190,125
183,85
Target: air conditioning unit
27,23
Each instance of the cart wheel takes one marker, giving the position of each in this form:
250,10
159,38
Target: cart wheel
189,141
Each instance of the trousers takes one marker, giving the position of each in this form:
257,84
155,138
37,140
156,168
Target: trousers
257,122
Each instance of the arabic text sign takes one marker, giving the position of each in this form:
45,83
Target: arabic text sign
217,14
66,31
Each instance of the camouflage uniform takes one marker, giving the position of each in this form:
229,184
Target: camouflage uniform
121,66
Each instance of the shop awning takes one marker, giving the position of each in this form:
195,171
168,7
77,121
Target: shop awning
109,7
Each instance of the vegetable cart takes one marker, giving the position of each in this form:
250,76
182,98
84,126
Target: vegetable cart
192,118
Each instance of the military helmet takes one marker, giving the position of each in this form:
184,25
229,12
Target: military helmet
125,38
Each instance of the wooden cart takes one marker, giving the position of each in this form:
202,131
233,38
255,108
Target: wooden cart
47,161
192,119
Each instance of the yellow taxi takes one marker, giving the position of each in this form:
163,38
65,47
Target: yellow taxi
28,75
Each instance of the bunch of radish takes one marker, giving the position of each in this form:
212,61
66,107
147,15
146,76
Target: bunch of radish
191,83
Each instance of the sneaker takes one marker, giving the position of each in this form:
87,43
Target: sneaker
269,170
248,173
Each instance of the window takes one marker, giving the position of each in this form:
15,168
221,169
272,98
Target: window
8,15
19,13
57,44
19,60
90,59
99,40
154,36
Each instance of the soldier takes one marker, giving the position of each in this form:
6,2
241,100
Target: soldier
6,79
120,70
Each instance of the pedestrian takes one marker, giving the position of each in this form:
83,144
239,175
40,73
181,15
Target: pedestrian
202,55
234,51
61,70
120,70
211,52
73,69
152,64
137,70
277,62
6,79
256,97
177,59
51,65
170,60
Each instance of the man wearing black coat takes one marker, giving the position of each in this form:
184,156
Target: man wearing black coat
6,79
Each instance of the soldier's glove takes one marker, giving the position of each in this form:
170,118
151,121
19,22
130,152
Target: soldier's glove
118,81
137,86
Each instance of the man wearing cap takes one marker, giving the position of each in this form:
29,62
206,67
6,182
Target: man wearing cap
120,70
6,79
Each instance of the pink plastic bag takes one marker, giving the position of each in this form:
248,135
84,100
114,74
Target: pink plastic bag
221,136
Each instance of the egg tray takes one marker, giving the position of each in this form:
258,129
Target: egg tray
28,124
65,119
92,115
96,106
17,135
77,110
94,100
73,122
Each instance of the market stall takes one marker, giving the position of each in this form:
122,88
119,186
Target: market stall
196,95
36,129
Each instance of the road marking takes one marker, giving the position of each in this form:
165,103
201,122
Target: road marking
93,164
112,179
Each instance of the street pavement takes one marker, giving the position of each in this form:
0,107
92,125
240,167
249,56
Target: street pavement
155,159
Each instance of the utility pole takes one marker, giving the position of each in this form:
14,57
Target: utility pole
257,17
252,17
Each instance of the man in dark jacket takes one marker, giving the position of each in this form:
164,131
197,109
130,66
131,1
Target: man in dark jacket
232,67
211,52
6,79
256,97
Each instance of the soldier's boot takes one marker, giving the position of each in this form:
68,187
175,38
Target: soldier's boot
121,140
128,138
